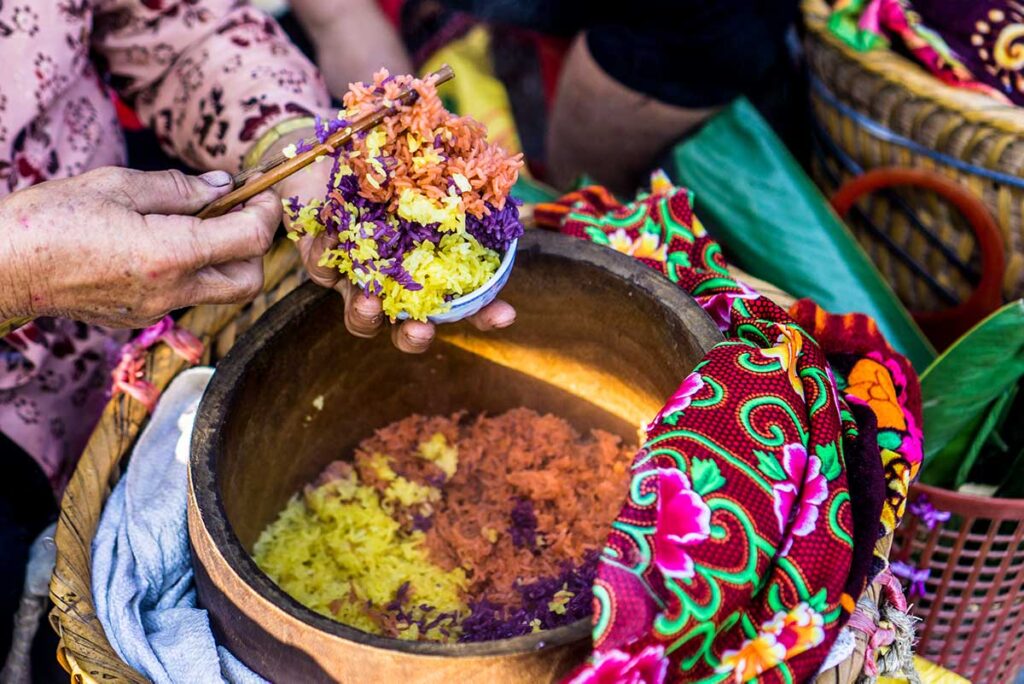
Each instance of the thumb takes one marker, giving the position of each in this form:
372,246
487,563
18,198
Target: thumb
173,192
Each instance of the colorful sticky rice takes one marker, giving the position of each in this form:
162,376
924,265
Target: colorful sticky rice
419,205
453,528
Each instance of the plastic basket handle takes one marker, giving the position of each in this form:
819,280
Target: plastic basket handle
943,327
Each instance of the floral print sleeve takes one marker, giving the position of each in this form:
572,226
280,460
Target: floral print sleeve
208,76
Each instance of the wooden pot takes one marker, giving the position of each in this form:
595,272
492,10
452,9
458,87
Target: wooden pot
600,340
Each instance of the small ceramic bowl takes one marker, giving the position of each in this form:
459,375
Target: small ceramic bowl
470,304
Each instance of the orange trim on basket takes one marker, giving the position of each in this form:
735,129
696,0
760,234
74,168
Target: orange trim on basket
943,327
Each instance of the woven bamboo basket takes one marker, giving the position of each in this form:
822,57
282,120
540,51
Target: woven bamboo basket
84,650
879,108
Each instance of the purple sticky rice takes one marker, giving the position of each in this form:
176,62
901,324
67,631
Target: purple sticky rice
422,523
488,621
523,527
401,596
325,128
398,273
393,243
497,229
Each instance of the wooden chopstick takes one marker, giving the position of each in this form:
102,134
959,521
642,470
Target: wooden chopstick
278,168
12,324
250,183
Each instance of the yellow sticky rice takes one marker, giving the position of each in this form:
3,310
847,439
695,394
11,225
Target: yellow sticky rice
338,547
456,266
439,451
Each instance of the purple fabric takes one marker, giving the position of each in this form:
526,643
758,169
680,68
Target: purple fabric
986,35
866,480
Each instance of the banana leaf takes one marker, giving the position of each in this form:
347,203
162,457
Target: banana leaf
773,222
987,432
1013,485
529,191
966,391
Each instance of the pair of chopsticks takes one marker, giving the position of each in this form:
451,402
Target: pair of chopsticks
252,182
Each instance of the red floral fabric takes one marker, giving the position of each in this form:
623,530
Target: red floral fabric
733,558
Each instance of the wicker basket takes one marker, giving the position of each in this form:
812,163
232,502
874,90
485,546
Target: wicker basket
84,650
880,109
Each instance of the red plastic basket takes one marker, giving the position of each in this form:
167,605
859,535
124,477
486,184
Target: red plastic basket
973,607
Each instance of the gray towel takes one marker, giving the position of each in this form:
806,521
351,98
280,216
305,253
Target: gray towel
141,567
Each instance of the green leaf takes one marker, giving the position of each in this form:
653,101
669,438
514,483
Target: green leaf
449,103
529,191
706,476
769,465
1013,486
829,455
788,236
961,387
989,423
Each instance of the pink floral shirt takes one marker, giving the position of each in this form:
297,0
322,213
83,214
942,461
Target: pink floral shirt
208,76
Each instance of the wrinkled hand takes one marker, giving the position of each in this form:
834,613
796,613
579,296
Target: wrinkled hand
364,316
120,248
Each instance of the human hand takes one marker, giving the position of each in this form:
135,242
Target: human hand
120,248
364,316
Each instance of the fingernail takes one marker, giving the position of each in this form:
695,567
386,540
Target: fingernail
505,323
217,179
419,338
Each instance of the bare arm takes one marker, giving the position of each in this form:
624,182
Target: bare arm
120,248
353,39
592,106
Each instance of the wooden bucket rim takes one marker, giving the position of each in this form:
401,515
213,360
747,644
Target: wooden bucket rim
223,387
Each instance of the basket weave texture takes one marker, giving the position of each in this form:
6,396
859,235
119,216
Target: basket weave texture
84,650
879,108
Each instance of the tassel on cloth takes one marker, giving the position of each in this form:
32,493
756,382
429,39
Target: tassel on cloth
129,375
889,628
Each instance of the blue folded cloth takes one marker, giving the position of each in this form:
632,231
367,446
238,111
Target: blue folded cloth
142,577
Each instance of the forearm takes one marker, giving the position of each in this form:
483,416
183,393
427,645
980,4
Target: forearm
353,39
591,105
16,287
